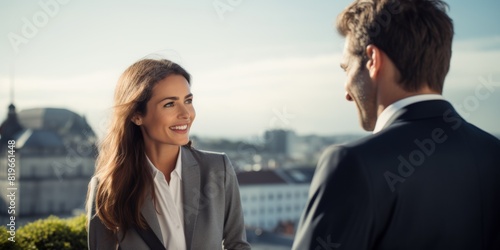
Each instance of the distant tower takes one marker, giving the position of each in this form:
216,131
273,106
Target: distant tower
277,141
11,126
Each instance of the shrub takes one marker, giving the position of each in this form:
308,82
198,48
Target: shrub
50,233
5,243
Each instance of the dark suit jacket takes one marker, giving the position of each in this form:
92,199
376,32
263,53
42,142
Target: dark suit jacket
429,180
212,208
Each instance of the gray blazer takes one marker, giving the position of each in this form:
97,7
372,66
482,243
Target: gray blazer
213,217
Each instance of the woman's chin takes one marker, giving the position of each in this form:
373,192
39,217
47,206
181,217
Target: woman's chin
183,141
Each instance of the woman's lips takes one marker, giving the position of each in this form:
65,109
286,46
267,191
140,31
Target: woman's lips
181,129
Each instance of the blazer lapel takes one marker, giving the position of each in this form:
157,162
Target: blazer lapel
148,211
190,193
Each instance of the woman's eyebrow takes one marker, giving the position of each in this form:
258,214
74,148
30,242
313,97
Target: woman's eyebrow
175,98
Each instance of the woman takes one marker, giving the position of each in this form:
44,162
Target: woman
151,189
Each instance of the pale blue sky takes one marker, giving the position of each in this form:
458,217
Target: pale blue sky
260,60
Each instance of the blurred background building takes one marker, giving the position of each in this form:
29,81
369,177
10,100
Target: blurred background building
274,172
55,154
273,200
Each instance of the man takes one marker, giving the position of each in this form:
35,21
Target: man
426,178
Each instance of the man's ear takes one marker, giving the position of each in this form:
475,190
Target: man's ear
137,119
374,62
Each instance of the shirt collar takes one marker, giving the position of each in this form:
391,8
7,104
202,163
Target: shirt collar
392,109
177,169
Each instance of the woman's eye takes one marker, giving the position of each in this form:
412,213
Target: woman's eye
170,104
189,101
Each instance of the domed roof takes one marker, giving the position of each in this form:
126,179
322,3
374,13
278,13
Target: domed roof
39,139
47,128
59,120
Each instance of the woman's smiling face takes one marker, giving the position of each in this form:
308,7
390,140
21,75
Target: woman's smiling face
169,112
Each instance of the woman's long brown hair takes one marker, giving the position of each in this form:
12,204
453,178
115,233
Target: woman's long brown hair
124,179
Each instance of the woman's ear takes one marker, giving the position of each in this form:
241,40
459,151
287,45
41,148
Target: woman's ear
137,119
374,62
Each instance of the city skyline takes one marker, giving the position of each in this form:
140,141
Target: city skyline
255,66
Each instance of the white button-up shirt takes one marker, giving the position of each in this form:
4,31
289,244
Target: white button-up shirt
169,205
392,109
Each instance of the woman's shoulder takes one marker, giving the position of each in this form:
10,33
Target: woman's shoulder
207,157
206,153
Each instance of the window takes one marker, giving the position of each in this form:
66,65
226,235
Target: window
271,210
297,194
270,196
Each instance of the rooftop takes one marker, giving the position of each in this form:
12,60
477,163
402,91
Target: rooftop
276,176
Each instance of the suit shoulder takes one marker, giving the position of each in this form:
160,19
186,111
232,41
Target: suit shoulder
336,149
336,155
209,157
207,154
357,146
352,155
480,133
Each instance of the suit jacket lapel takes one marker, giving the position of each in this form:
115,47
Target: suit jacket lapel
148,211
190,193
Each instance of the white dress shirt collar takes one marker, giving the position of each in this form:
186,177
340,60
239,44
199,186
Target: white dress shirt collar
169,205
392,109
177,170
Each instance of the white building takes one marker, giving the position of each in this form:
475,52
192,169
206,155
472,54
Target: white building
54,159
271,197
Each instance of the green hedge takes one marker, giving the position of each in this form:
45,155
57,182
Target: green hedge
49,233
5,244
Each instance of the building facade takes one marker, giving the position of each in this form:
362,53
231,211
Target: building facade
55,152
271,198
